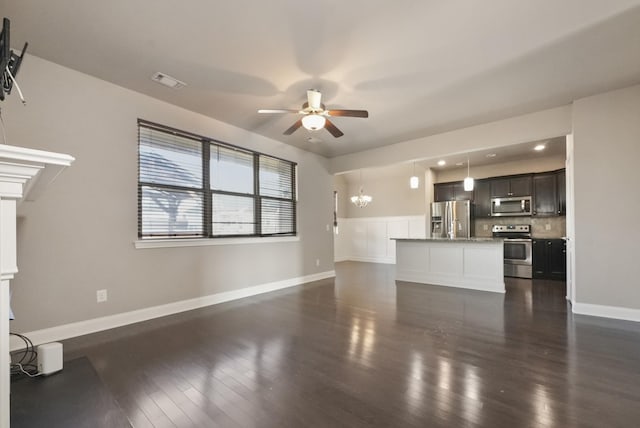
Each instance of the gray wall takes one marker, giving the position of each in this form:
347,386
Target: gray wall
78,237
606,131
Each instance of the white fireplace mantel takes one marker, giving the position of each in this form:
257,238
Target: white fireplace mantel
24,174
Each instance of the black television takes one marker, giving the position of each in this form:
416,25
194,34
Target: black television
9,61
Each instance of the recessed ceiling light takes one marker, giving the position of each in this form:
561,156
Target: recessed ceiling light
441,162
167,80
491,155
459,163
539,147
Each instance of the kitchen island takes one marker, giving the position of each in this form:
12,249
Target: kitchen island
474,263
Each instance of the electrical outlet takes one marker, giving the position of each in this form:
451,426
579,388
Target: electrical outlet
547,226
317,262
328,228
101,296
485,227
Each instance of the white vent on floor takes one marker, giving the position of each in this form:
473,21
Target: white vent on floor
167,80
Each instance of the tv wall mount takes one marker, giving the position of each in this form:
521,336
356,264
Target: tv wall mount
9,62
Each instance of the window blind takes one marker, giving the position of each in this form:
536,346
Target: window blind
171,196
193,186
276,177
277,203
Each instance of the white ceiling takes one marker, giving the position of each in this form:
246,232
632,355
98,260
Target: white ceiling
554,147
419,67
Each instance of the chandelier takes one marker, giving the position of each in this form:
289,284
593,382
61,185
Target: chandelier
361,200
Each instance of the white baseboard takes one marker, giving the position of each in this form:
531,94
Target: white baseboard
384,260
94,325
617,312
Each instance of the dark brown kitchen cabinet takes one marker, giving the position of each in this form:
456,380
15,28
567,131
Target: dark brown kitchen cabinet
482,198
459,194
549,259
561,181
545,195
443,192
451,192
506,187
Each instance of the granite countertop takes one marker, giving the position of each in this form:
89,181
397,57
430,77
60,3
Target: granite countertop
472,239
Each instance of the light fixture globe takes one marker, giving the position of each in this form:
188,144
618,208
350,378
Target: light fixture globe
313,122
468,184
414,181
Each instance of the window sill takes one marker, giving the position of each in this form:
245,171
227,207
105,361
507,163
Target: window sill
205,242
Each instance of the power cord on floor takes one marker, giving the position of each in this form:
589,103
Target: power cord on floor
23,371
25,359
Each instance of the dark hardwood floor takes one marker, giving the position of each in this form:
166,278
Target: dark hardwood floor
365,351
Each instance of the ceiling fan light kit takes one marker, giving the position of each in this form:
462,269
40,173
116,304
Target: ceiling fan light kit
315,116
313,122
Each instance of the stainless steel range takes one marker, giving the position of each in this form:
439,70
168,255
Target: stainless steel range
517,248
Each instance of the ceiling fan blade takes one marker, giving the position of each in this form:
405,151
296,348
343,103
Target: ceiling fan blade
277,111
349,113
333,129
314,97
293,127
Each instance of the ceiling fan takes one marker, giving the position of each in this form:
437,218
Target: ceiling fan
315,116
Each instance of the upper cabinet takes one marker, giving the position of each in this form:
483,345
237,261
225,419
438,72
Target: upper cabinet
562,191
545,194
482,198
451,192
549,193
505,187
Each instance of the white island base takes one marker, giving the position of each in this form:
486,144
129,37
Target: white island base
474,263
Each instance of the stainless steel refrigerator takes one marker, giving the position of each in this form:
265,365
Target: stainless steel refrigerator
451,219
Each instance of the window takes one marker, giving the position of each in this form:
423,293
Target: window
192,186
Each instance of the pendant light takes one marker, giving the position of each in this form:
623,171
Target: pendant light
468,182
361,200
414,181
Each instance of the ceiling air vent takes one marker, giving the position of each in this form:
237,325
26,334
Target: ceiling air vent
167,80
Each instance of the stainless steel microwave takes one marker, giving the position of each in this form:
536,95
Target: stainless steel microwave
511,206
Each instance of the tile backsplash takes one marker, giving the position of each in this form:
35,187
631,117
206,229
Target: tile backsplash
541,227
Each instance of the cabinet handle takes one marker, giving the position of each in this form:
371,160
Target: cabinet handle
548,243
